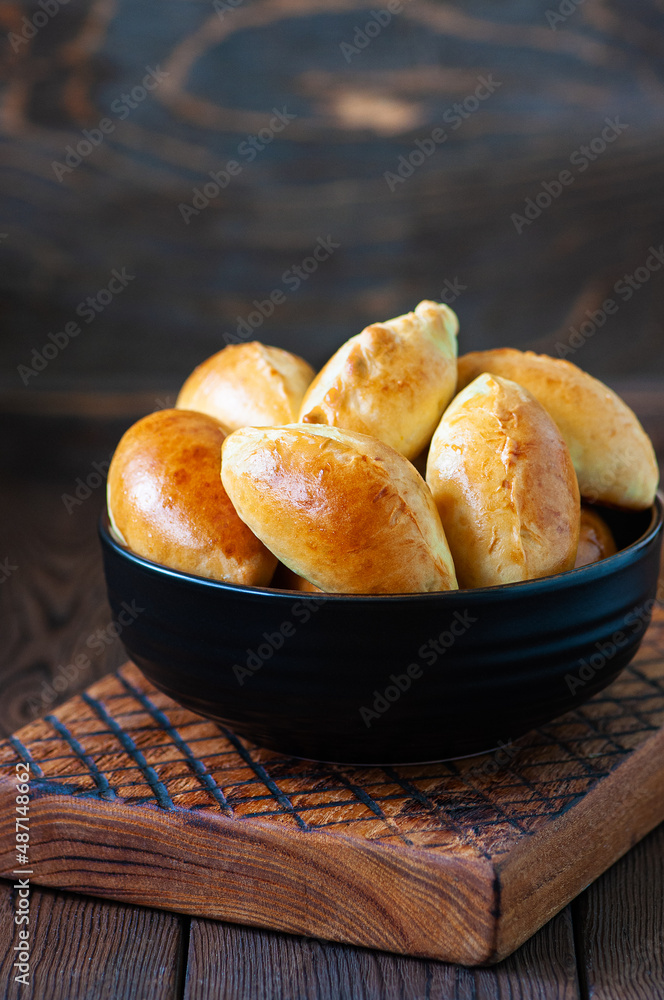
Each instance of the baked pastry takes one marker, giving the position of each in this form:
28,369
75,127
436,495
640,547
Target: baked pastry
167,503
612,454
392,381
338,508
504,485
596,540
248,385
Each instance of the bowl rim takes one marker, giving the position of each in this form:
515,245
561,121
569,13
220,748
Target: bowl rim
557,581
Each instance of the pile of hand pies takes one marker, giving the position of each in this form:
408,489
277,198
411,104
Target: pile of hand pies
398,468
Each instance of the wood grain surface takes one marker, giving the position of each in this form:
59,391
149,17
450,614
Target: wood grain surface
83,948
140,800
324,174
99,950
242,964
621,926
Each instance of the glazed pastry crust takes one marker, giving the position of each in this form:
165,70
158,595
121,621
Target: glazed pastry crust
504,485
340,509
392,381
167,503
248,385
613,456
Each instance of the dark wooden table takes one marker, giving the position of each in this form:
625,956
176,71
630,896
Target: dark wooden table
358,114
608,944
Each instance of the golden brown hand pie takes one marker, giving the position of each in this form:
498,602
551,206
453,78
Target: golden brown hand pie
613,456
595,539
167,503
504,485
248,385
392,381
339,508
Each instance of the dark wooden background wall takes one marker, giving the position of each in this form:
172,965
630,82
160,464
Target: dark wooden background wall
323,175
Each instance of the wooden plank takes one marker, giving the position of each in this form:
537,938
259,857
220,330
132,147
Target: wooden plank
54,598
621,927
459,862
103,407
234,963
53,602
325,173
85,948
259,874
560,855
544,968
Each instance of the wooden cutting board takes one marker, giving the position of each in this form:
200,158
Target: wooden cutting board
137,799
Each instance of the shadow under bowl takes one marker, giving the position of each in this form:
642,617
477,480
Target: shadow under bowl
388,679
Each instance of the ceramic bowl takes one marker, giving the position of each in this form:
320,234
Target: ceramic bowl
388,679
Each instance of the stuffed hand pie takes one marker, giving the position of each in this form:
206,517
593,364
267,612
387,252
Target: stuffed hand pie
167,503
392,381
504,485
338,508
613,456
248,385
596,539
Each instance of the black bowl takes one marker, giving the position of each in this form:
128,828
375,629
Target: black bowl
382,679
